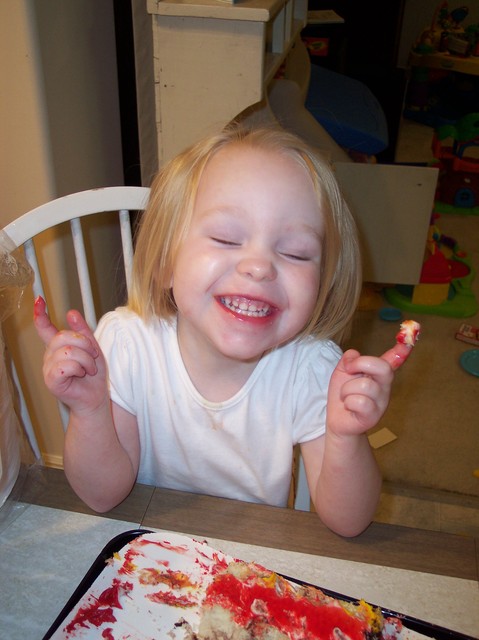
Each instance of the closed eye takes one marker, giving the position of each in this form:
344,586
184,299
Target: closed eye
225,242
296,257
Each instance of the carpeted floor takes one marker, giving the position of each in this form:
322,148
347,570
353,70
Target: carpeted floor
434,409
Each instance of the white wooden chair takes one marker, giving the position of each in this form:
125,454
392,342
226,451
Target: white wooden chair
72,209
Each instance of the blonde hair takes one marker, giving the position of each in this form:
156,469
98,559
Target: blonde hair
167,219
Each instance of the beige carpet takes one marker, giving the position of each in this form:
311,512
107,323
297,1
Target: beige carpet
434,409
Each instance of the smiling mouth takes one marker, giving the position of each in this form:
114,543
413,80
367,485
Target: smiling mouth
246,307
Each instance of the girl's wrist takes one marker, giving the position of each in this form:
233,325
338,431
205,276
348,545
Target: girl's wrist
345,440
91,412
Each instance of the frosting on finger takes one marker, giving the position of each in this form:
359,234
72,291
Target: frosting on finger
409,333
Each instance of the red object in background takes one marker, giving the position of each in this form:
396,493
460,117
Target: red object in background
458,188
317,46
468,333
459,269
436,269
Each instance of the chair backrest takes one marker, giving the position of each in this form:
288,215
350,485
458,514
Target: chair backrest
72,208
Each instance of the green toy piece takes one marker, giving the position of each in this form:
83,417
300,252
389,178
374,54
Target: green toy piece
461,301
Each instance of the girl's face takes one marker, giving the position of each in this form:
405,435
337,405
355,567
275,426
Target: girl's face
247,275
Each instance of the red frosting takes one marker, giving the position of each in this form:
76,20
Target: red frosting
101,610
286,611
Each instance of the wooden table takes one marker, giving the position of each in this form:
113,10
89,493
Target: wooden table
408,570
382,544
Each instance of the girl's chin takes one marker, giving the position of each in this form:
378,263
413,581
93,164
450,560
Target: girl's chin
242,354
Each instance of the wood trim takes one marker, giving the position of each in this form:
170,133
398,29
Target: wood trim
206,516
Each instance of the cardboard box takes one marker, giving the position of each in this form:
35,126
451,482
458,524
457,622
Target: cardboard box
468,333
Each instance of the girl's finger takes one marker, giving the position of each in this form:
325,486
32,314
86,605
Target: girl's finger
397,356
78,323
405,341
45,329
61,374
69,353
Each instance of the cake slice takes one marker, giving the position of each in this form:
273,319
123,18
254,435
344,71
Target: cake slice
246,602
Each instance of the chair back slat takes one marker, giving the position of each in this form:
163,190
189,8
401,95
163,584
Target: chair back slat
31,257
24,415
127,244
83,273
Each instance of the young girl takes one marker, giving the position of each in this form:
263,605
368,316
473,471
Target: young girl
246,268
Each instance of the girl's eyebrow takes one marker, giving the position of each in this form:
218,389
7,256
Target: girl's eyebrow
222,211
229,211
309,230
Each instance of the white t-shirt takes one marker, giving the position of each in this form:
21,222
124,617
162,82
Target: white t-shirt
240,448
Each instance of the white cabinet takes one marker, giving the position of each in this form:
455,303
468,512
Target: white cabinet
213,59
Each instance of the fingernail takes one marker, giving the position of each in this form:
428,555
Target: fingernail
38,306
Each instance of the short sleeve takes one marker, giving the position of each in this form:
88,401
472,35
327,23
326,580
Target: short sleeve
311,391
119,353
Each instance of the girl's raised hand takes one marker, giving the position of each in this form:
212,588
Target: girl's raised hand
360,386
74,368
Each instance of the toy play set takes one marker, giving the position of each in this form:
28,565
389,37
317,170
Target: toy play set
456,149
447,274
444,287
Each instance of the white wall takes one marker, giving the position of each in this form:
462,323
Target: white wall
59,133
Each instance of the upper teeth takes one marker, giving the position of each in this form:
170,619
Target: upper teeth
246,307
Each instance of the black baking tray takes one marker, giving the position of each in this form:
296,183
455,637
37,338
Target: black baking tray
115,544
118,542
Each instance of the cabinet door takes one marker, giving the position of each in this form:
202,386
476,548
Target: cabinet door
207,71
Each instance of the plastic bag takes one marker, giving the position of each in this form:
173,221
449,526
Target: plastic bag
16,456
15,275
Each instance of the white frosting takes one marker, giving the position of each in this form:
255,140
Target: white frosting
409,332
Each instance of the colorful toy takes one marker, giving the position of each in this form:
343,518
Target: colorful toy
447,33
458,182
445,283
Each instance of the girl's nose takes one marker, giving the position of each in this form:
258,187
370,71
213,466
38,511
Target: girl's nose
257,268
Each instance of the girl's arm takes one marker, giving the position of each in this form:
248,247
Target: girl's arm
343,476
101,455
